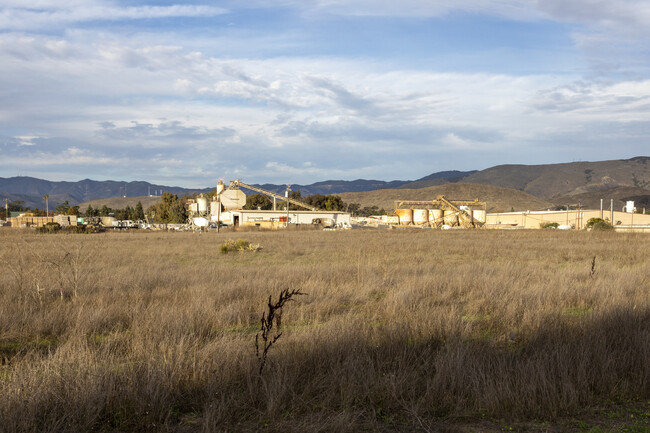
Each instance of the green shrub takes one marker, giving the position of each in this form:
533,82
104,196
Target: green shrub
238,245
50,228
602,226
550,225
592,221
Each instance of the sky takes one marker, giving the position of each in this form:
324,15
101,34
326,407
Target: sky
300,91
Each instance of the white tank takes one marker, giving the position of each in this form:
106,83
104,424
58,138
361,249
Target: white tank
214,207
629,207
200,222
220,187
193,207
420,216
233,199
203,204
478,215
435,216
405,216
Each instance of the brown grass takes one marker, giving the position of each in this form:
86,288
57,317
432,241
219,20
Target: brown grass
401,330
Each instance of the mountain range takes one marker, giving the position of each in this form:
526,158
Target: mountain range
547,184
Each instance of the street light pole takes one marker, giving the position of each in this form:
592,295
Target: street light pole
286,194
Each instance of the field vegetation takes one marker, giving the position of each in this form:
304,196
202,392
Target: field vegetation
397,330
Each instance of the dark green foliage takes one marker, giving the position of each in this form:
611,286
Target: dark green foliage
550,225
170,210
138,212
49,228
326,202
602,226
599,224
255,201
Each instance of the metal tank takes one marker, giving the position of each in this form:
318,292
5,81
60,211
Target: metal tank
405,216
435,216
478,215
107,221
193,207
420,216
451,218
202,203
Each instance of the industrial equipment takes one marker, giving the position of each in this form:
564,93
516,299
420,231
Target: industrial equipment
441,212
234,184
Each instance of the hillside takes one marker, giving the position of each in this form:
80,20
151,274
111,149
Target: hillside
31,190
554,180
120,202
591,200
497,198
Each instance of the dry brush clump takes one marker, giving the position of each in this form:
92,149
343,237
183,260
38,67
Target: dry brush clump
402,330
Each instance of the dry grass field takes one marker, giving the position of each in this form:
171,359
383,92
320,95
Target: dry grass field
398,331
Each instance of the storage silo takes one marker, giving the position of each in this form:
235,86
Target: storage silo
202,203
479,215
435,216
405,216
420,216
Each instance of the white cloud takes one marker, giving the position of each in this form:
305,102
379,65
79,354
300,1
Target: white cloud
45,14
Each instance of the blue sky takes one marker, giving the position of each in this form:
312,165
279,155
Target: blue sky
184,93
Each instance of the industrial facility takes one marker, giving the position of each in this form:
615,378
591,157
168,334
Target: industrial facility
227,208
439,213
626,219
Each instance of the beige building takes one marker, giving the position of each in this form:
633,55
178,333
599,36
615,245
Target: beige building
29,220
573,218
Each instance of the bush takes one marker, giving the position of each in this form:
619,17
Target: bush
50,228
238,245
550,225
602,226
598,224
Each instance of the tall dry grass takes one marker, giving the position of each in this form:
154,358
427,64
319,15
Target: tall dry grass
401,330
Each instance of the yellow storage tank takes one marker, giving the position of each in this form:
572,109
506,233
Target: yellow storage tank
435,216
478,215
420,216
405,216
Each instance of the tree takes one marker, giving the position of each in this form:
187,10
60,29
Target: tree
138,213
62,208
255,201
90,212
326,202
353,208
104,211
170,209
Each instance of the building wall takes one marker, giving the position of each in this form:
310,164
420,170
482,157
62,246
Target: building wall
277,219
29,221
573,218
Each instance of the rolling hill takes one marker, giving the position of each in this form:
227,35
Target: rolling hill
626,179
120,202
497,198
555,180
591,200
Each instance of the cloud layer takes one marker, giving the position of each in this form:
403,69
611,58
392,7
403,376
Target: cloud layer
155,92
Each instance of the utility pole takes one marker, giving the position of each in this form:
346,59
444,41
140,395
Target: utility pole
601,208
47,205
7,209
286,194
611,211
